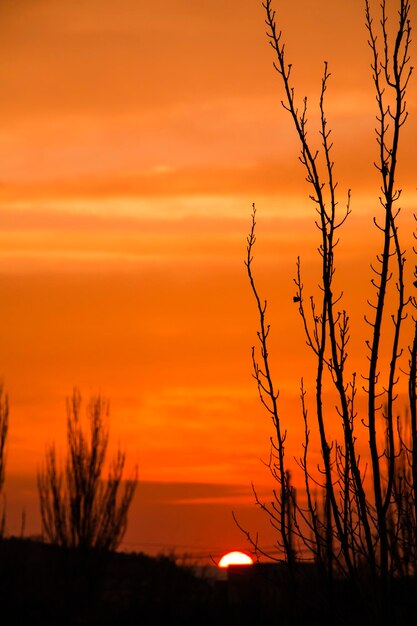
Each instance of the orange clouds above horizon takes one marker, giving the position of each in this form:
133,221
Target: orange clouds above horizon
134,138
103,91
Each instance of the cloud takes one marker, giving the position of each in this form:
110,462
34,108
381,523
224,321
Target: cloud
153,492
159,181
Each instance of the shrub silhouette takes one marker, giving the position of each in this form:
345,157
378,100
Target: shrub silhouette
4,426
79,508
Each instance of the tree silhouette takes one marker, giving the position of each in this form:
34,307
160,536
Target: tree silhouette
364,533
4,426
79,507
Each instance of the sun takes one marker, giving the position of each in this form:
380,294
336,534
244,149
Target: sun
235,558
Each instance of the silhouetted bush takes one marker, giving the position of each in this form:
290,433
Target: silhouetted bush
4,426
79,507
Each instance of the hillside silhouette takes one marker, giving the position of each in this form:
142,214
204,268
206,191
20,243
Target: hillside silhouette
44,584
50,585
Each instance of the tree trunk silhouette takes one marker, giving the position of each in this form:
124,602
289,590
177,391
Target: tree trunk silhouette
365,535
4,427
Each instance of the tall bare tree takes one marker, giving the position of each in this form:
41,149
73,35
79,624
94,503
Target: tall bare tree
359,532
4,426
80,508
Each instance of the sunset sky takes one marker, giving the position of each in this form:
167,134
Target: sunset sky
134,138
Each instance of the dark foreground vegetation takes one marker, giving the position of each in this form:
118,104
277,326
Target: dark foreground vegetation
51,585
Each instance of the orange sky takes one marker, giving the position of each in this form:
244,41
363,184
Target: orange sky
134,137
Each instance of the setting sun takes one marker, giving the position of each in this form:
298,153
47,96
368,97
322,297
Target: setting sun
235,558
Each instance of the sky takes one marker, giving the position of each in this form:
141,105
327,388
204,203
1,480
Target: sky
134,138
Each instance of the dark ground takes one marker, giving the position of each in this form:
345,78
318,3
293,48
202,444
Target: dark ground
49,586
44,585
